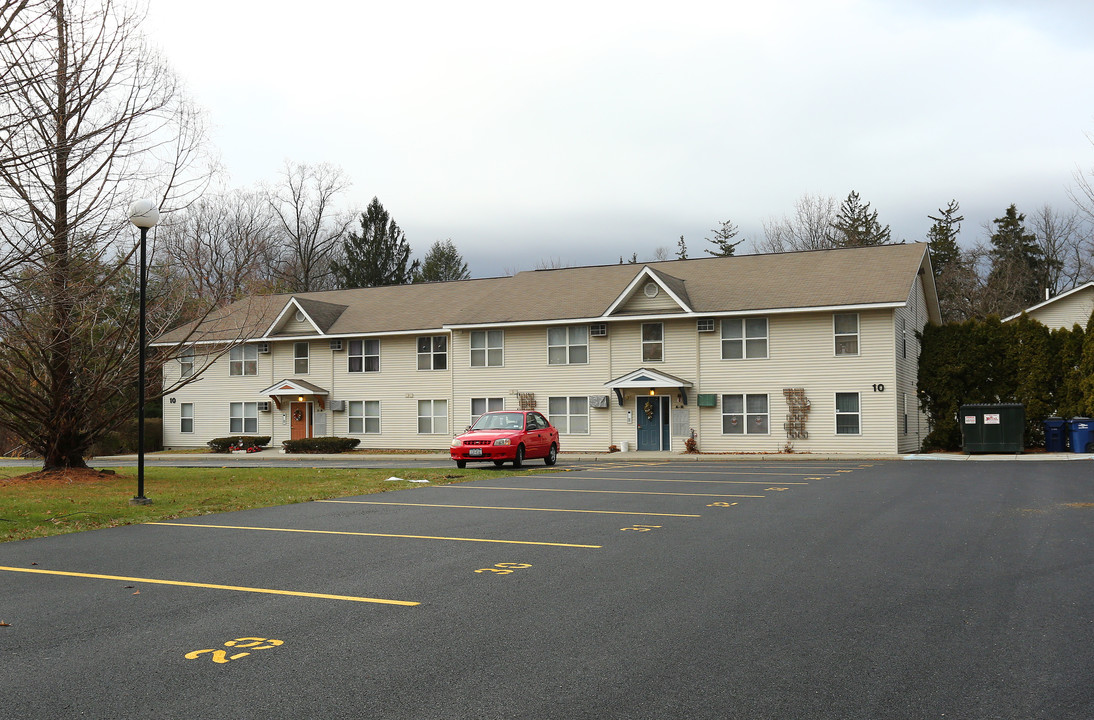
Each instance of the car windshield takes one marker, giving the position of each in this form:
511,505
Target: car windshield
500,421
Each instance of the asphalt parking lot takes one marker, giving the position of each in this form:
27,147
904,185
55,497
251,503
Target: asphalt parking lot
851,589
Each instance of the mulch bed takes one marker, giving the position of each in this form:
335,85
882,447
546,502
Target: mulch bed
65,476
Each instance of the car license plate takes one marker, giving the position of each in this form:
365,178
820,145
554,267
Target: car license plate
475,452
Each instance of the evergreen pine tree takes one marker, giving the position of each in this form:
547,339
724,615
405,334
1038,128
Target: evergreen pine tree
1018,265
442,263
723,239
378,255
942,237
856,226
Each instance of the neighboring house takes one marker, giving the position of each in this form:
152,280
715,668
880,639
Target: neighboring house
814,351
1066,310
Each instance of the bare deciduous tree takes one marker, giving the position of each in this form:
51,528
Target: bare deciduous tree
221,248
308,227
94,120
1068,248
809,228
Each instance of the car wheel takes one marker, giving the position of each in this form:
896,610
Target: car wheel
461,464
518,461
552,455
499,463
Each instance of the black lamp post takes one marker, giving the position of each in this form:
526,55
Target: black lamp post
143,214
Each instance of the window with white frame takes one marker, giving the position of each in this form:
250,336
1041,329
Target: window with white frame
484,405
243,417
300,358
744,338
186,417
848,416
186,362
364,355
653,342
243,360
568,345
433,352
745,414
845,329
486,348
364,417
432,417
569,414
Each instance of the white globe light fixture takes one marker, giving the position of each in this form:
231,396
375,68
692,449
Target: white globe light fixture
144,214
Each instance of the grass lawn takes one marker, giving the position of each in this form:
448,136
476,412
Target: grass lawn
91,500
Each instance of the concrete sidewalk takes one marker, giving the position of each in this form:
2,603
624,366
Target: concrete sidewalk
644,456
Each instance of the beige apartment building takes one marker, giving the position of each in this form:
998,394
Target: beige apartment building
810,351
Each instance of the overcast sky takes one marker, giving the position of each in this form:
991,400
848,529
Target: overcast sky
582,131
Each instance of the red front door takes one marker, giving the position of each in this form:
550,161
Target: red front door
300,426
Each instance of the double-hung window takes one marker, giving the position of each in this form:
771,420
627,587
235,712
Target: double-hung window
848,415
433,352
243,417
845,330
300,358
243,360
483,405
186,362
745,414
568,345
744,338
432,417
186,417
364,417
486,348
653,342
364,355
569,414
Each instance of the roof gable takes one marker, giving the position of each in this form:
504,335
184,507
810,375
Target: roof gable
318,317
651,291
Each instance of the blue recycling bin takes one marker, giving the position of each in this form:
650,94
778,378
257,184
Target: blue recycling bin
1056,434
1081,431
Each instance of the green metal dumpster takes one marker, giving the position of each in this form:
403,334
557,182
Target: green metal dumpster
995,428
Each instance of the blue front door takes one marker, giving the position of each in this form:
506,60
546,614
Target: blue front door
652,412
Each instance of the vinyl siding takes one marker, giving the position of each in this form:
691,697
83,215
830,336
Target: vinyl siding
914,317
1067,311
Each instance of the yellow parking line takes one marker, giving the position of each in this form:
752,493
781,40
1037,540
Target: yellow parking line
155,581
708,482
493,507
365,534
608,492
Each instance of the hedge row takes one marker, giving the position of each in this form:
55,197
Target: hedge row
1051,372
321,445
224,444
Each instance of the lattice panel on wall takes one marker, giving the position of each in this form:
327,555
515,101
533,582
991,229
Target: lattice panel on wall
797,417
527,400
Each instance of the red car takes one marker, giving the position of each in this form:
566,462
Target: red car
509,435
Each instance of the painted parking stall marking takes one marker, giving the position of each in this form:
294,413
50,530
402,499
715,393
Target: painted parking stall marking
209,586
605,492
368,534
495,507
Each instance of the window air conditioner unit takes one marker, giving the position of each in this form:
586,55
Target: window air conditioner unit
264,406
598,329
705,325
263,347
335,344
338,405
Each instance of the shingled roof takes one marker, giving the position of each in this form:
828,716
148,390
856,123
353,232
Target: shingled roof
784,282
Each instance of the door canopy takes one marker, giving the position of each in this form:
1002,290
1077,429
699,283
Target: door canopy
299,390
646,378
